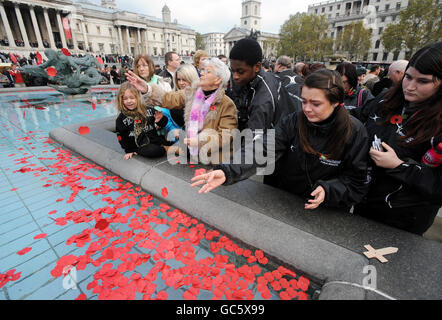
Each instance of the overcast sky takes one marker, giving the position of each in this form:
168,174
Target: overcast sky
206,16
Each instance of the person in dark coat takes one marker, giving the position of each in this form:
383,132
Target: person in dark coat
138,127
290,80
406,184
321,151
355,95
260,98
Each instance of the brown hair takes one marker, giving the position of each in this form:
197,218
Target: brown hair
140,111
426,122
198,55
331,83
309,68
149,62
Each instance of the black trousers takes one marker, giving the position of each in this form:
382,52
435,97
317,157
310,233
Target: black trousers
152,151
416,220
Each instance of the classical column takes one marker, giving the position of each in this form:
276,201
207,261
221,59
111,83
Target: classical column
120,40
48,26
74,37
128,41
146,41
7,26
22,26
86,42
61,31
36,28
139,45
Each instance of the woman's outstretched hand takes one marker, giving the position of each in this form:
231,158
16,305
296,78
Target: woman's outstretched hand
209,181
136,82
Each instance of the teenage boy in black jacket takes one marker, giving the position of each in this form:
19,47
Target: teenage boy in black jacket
259,96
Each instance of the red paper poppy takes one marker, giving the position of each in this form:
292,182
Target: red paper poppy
199,172
13,58
81,297
102,224
119,138
396,119
39,58
212,108
51,71
83,130
24,251
65,52
164,192
40,236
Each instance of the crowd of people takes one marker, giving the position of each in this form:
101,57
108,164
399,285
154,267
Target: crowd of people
369,141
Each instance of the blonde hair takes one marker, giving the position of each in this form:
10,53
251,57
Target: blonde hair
140,110
198,55
149,62
187,72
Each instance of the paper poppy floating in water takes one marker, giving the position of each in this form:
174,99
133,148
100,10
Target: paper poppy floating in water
102,224
24,251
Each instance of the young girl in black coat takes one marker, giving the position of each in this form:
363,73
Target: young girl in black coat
406,189
138,127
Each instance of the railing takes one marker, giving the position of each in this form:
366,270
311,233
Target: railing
324,2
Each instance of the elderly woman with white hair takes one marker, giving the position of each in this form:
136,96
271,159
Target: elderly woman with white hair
208,112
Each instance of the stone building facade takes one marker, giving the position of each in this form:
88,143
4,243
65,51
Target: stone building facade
375,14
83,26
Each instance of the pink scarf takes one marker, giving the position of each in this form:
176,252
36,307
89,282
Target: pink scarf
200,108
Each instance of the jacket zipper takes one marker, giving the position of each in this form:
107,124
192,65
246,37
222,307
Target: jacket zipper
390,194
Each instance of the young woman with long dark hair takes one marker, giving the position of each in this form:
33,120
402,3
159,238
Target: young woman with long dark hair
406,188
321,151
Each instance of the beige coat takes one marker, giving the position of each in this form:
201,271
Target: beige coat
223,117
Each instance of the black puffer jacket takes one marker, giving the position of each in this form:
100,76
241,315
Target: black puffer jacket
292,82
262,102
344,179
410,184
126,135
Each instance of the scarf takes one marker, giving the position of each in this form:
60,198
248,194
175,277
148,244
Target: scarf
200,108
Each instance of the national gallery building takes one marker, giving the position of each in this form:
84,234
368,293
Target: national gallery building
85,26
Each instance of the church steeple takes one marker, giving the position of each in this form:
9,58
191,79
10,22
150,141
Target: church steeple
166,14
110,4
251,15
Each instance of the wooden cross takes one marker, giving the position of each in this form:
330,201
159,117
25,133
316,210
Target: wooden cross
380,253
